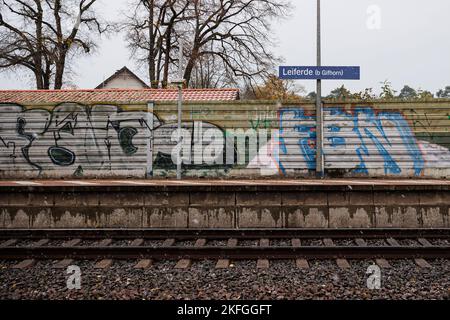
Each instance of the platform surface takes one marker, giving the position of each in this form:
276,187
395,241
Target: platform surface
213,183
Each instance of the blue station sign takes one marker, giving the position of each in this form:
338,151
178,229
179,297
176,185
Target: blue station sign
315,73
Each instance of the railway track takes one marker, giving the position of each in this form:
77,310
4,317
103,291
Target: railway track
224,245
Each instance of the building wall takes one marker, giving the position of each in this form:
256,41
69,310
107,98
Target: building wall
123,81
232,139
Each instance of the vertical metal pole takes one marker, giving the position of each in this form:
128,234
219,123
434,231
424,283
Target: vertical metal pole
180,106
180,99
319,107
150,142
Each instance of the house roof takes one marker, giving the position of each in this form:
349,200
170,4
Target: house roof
25,97
124,70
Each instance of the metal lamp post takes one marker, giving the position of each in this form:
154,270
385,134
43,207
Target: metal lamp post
180,106
179,83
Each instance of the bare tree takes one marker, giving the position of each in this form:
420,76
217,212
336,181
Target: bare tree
211,72
43,35
151,35
224,40
237,32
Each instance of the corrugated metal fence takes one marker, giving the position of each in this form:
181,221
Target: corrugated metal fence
232,139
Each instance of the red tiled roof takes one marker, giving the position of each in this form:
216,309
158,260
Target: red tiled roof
115,95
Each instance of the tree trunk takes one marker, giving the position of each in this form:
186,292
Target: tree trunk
39,49
190,66
47,76
61,47
59,72
151,52
38,77
165,81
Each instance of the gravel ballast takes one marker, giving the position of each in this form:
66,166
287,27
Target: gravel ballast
323,280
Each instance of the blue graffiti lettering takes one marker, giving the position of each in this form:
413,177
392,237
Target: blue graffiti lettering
362,132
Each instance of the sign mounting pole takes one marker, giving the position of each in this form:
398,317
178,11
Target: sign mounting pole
319,73
319,106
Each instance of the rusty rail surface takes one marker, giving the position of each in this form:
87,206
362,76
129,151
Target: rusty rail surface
237,253
243,234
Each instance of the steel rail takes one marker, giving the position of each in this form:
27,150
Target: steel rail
219,234
238,253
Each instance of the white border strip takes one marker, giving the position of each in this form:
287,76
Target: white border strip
82,183
136,183
193,183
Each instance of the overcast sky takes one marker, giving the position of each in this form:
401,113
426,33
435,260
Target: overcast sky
410,45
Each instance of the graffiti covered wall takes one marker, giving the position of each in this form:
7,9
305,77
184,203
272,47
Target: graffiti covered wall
233,139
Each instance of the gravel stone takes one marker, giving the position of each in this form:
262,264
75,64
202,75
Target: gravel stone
345,242
188,243
153,243
312,242
408,242
216,243
248,243
281,242
376,242
323,280
439,242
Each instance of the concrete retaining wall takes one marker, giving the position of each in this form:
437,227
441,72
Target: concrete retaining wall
225,207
